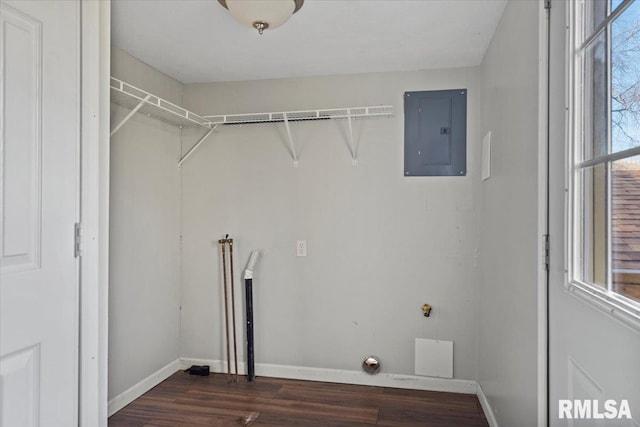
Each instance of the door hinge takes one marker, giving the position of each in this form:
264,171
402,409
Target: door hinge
547,4
77,238
547,250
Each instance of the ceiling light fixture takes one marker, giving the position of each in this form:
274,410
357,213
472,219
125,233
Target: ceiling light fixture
262,14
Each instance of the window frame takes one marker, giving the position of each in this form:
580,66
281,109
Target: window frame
617,305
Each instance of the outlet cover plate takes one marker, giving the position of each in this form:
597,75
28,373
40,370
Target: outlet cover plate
301,248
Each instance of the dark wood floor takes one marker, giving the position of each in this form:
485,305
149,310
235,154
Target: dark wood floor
187,400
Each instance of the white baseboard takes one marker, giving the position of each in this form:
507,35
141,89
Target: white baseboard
137,390
343,376
488,412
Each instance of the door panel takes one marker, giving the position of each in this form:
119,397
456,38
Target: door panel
592,355
23,142
19,387
39,199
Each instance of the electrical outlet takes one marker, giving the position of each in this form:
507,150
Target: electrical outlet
301,248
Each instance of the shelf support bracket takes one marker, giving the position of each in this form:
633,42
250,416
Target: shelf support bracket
352,147
292,146
131,114
196,145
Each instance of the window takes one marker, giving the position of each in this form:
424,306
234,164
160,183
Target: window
605,151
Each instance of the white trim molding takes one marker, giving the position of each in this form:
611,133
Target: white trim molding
544,240
137,390
486,407
615,305
94,218
343,376
608,302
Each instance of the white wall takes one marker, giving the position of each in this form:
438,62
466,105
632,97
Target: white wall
144,287
379,245
137,73
507,298
592,355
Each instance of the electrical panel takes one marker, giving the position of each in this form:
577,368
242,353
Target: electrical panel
435,133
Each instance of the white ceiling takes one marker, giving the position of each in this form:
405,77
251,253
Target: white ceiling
199,41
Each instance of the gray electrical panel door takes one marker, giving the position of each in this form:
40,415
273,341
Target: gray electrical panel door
435,133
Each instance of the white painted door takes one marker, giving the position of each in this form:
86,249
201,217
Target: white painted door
592,354
39,184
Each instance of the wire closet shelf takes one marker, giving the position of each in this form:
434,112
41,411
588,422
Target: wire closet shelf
292,116
139,100
129,96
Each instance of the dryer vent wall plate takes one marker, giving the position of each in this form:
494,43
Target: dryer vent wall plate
434,358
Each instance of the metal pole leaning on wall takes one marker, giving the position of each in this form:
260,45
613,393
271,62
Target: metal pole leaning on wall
223,245
248,283
233,309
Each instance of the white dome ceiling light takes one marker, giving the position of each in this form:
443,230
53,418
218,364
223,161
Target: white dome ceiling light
262,14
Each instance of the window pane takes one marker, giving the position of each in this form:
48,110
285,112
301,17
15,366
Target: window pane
615,4
594,224
595,98
625,79
625,227
595,11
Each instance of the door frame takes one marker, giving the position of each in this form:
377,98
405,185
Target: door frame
95,177
544,39
95,44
